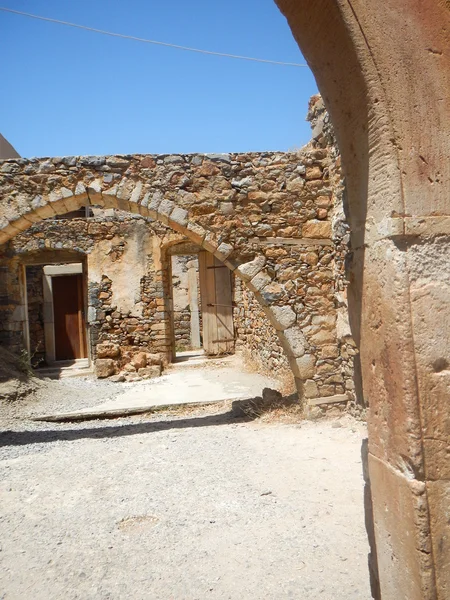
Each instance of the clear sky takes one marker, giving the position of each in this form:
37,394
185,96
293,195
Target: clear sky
69,92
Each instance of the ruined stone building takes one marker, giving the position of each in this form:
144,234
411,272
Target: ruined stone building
384,72
258,266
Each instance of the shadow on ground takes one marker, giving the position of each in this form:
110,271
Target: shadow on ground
241,411
22,438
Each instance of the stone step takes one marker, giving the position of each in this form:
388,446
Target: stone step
66,368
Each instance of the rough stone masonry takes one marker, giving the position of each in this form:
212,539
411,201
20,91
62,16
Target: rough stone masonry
275,219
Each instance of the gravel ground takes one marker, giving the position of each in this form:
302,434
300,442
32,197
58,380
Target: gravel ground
212,380
54,396
183,507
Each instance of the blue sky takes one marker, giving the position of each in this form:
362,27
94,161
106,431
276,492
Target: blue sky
70,92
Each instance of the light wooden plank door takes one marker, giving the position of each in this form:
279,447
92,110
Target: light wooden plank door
217,308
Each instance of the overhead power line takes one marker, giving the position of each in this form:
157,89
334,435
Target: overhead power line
138,39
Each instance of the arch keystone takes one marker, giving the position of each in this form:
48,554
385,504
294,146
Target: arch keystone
80,191
109,197
94,191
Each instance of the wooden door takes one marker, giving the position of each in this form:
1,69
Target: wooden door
217,309
68,317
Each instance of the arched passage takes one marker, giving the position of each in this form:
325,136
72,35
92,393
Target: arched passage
255,273
384,73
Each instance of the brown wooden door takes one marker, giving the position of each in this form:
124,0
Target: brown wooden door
70,337
217,309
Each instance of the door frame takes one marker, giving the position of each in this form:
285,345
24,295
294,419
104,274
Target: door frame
181,247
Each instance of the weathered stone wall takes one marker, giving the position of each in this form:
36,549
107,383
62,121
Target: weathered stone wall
329,369
35,302
12,308
255,334
274,218
125,297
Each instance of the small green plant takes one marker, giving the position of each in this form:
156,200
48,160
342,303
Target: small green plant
25,362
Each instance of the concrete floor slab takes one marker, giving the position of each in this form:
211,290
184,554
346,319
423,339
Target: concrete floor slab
209,382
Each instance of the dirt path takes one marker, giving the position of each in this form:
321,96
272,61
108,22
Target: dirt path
183,508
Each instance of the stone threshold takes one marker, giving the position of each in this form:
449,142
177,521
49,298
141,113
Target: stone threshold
338,399
66,368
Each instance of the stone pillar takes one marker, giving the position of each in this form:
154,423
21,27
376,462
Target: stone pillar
405,352
384,72
405,342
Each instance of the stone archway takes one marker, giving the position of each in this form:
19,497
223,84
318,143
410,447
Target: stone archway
258,213
384,73
254,272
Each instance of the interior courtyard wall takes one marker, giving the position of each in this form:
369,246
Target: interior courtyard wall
35,307
125,310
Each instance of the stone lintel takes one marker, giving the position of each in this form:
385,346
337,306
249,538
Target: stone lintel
66,269
279,241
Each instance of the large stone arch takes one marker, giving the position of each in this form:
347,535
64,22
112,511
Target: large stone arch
130,195
384,73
